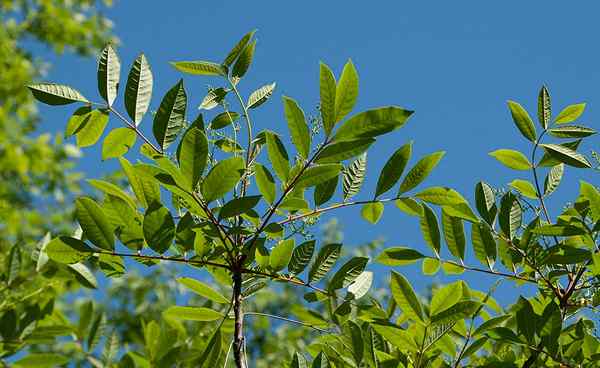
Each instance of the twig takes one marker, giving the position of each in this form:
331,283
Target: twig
287,320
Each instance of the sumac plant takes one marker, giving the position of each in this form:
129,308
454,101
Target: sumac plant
219,194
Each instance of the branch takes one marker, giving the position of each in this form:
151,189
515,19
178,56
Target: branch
163,258
134,128
287,320
286,279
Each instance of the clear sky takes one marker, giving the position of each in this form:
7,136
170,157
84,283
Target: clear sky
455,63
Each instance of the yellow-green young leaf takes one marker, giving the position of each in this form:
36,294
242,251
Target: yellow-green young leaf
441,196
566,155
76,121
68,250
118,142
405,297
91,128
458,311
222,178
55,94
571,131
41,360
170,116
244,60
445,297
223,120
325,260
512,159
138,90
126,220
393,169
317,174
454,233
348,273
297,126
278,156
452,268
301,257
346,91
570,113
203,289
340,151
553,179
399,256
94,223
237,49
113,190
327,87
159,227
544,107
198,67
192,313
192,154
409,206
589,192
430,228
522,120
372,212
228,145
524,187
281,254
109,71
397,336
420,171
260,96
372,123
146,190
238,206
430,266
265,182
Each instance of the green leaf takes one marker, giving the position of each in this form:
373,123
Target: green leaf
321,361
301,257
346,91
297,126
118,142
327,88
326,258
55,94
445,297
566,155
441,196
203,289
372,212
512,159
491,323
199,67
222,178
372,123
457,312
485,201
589,192
405,297
91,128
109,71
454,233
113,190
484,244
409,206
68,250
430,266
138,90
524,187
354,176
571,131
522,120
244,60
265,182
420,171
278,156
41,360
393,169
548,161
238,206
238,48
361,285
348,273
170,117
223,120
340,151
544,108
83,275
146,190
94,223
193,154
510,215
430,228
76,121
325,191
398,337
451,268
570,113
553,179
317,174
260,96
299,361
192,314
281,254
159,227
399,256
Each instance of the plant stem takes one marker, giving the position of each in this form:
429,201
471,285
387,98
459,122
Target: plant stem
135,129
238,334
285,319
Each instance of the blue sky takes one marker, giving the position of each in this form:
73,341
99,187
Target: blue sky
455,63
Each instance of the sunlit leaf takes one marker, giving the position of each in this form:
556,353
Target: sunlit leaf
138,90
